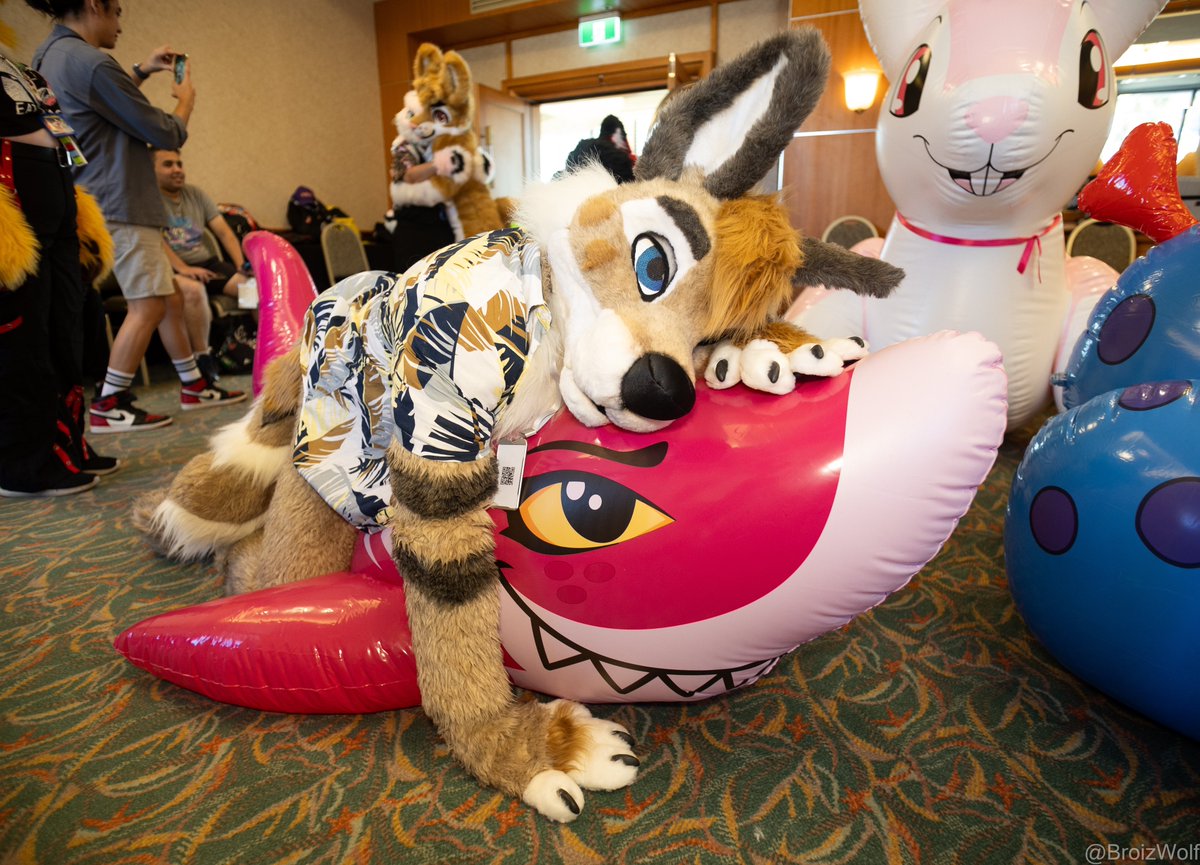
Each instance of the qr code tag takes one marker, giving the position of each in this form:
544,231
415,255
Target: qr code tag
511,458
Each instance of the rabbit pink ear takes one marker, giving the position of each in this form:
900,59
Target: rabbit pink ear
1122,21
893,26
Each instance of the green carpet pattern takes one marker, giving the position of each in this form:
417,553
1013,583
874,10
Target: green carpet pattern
934,729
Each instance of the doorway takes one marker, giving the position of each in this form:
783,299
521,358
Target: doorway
562,125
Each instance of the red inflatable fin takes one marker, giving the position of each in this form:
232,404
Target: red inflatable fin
1138,186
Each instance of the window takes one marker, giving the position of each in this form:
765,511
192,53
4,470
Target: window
1168,99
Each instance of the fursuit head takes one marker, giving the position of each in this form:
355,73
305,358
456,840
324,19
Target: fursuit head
608,299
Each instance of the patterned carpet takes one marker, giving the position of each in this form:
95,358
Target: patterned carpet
933,729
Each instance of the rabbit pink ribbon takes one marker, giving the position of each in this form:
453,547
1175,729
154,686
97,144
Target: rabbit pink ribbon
1030,242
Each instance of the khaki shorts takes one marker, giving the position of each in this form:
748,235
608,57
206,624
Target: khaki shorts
140,266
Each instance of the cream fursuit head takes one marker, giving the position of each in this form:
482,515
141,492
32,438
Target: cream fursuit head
600,301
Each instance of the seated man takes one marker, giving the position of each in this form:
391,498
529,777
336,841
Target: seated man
189,212
197,268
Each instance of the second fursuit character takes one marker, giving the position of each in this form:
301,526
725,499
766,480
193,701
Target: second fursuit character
436,129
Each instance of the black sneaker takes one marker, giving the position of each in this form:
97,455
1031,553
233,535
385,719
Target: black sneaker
207,364
94,464
116,413
204,394
54,479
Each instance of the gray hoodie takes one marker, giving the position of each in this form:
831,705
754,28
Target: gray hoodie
114,124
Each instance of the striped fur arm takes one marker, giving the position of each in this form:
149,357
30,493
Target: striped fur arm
442,537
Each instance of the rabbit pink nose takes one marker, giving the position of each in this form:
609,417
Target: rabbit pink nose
994,119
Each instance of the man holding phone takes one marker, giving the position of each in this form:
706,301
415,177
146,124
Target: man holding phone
114,123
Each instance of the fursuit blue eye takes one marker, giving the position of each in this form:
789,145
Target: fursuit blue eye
654,265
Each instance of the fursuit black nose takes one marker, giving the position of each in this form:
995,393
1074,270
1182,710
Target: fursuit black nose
658,388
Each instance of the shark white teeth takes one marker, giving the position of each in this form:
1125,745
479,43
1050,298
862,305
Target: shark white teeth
556,651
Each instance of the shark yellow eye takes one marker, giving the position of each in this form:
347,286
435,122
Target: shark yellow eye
570,512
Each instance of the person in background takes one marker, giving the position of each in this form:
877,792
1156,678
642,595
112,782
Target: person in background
189,211
610,148
42,447
114,122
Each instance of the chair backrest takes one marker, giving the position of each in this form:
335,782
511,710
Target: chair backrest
343,249
849,230
1113,244
213,245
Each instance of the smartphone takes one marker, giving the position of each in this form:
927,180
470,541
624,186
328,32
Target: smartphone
180,67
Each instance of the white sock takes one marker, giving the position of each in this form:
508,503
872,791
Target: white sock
115,380
187,369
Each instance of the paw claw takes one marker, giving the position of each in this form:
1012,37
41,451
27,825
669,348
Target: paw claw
627,759
625,737
567,800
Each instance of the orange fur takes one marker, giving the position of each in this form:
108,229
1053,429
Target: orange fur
566,741
595,211
95,243
784,334
757,253
597,254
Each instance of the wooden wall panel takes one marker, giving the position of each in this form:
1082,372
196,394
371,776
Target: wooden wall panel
828,176
833,174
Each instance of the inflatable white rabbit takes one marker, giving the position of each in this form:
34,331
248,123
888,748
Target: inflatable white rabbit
996,112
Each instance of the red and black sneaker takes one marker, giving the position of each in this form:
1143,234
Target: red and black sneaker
202,393
116,413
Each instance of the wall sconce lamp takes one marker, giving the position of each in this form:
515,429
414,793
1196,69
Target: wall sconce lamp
861,87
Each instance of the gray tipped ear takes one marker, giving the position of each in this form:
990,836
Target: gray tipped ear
837,267
734,124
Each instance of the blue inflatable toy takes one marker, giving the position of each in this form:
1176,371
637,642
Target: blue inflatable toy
1102,538
1102,546
1145,328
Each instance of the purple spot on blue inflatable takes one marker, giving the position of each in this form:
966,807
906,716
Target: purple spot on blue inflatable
1054,520
1143,397
1125,329
1168,522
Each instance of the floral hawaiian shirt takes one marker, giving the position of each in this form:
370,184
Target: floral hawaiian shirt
427,358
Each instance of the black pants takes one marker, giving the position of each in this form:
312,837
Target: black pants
41,325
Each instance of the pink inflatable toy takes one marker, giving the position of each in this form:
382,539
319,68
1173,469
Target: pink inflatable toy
671,566
285,289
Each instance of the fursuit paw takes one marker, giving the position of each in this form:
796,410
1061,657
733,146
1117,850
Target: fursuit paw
604,759
589,754
827,358
452,162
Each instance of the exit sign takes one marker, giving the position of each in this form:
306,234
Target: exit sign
599,30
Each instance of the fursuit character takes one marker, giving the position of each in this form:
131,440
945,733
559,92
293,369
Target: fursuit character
388,410
436,127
